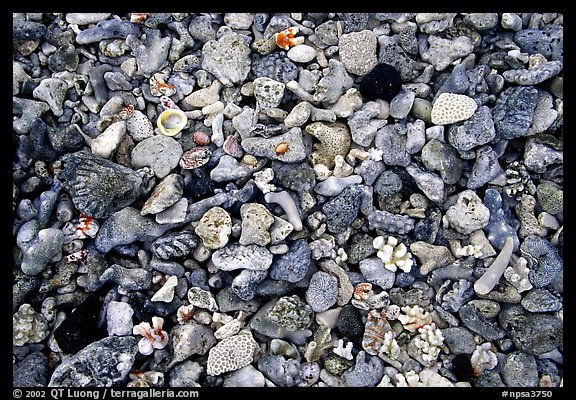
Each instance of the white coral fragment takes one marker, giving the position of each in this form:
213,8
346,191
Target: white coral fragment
28,326
517,275
483,358
153,336
166,292
394,255
262,180
469,250
231,353
344,351
429,341
450,108
390,346
414,317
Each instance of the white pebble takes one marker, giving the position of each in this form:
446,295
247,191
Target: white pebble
301,53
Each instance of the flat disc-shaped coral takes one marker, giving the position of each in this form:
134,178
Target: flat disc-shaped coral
322,291
382,82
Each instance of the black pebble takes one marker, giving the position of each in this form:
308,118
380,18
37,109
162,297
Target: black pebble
80,328
382,82
350,322
462,368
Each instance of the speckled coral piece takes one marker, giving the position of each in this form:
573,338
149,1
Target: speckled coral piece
450,108
334,140
231,354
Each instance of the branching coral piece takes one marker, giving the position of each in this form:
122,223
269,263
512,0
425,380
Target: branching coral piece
429,341
390,346
393,254
344,351
153,336
414,317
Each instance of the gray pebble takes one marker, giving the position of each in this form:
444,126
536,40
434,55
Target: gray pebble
160,153
519,370
375,273
103,363
343,209
107,29
293,265
367,371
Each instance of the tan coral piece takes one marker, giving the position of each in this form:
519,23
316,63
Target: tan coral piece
450,108
231,353
334,140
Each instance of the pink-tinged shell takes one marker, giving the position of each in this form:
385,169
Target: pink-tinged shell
232,147
138,17
78,257
201,138
362,291
195,157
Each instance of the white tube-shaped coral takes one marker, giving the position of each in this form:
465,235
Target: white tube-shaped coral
287,203
492,275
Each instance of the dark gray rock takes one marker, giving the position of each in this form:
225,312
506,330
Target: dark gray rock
519,370
97,197
105,363
31,371
393,144
343,209
275,66
540,300
375,273
474,320
537,333
127,226
441,157
548,42
485,169
514,111
476,131
367,371
460,340
292,265
281,372
388,183
297,176
107,29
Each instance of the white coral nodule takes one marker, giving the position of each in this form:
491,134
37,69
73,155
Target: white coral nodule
394,255
153,336
344,351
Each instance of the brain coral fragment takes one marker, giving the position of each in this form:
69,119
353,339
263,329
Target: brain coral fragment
450,108
231,354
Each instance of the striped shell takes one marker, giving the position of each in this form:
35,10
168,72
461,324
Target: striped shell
195,157
376,327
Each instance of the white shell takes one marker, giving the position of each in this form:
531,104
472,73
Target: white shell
171,121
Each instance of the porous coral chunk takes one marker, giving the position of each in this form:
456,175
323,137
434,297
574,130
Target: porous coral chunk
450,108
334,140
231,353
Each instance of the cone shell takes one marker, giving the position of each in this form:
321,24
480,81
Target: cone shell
171,121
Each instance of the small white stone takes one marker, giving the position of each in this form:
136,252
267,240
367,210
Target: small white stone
301,53
119,318
166,292
106,143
